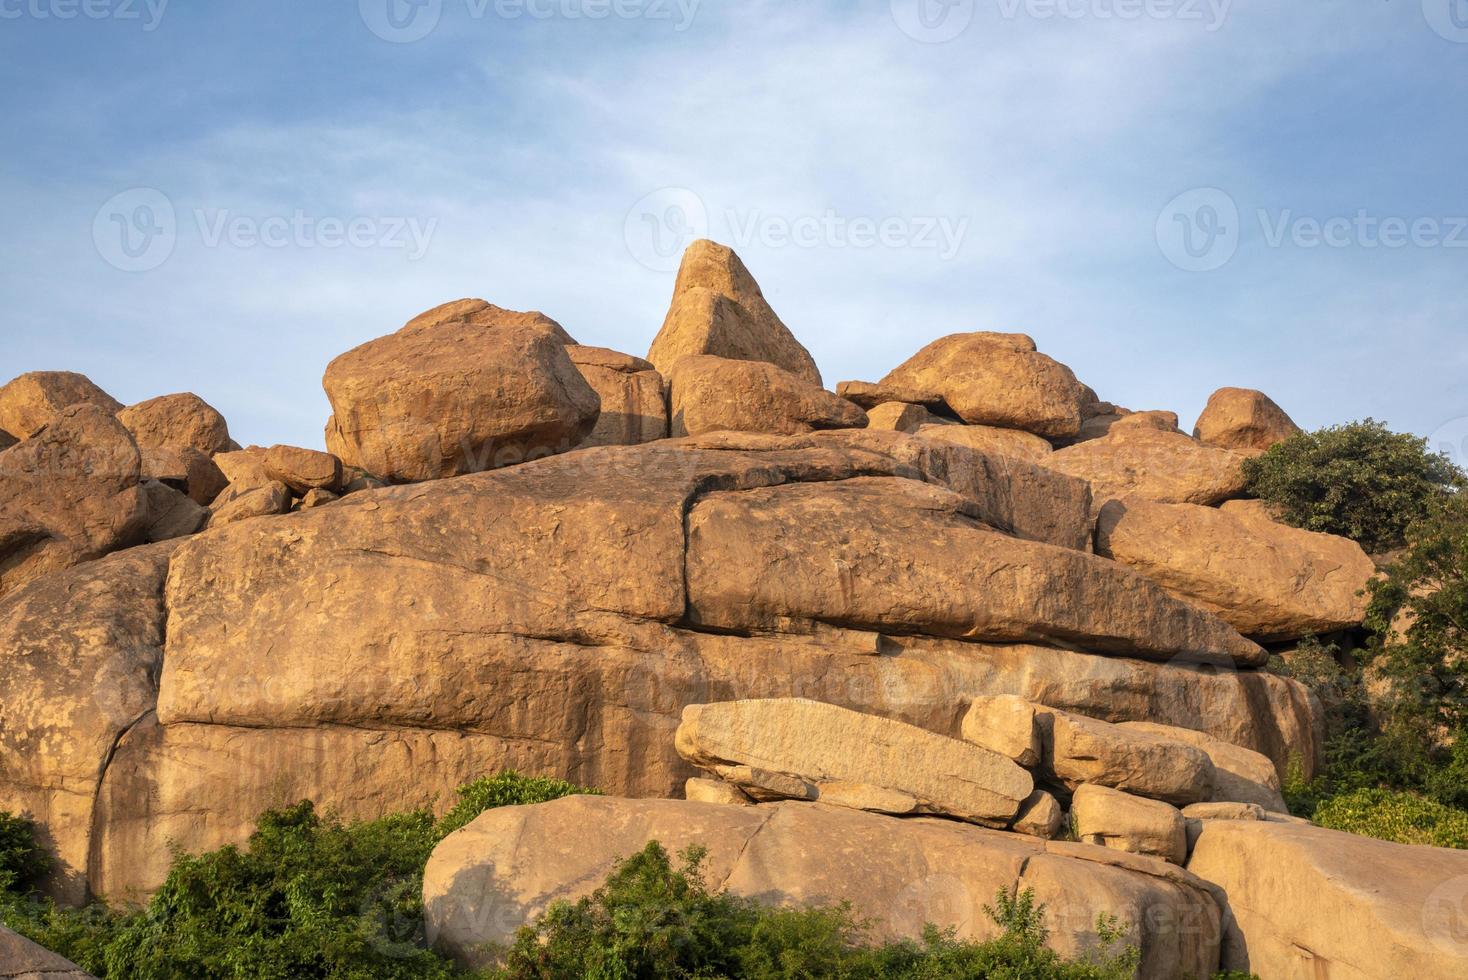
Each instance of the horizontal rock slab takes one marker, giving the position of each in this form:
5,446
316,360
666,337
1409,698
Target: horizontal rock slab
508,866
1269,581
989,439
1139,460
720,394
1305,901
865,761
1240,775
1080,750
869,395
1111,818
907,557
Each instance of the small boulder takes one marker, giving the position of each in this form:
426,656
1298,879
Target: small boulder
1112,818
898,417
462,388
303,469
997,379
1039,816
865,761
68,494
634,405
174,421
869,396
266,501
1005,724
711,394
1244,420
187,469
1242,776
29,401
718,309
171,514
243,468
1082,750
1142,460
1015,443
702,790
313,498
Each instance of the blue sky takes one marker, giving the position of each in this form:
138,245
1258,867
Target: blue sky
1046,168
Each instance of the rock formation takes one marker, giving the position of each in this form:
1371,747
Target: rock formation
718,394
1243,420
31,400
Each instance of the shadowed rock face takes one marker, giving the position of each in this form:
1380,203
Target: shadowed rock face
462,388
509,865
718,309
634,407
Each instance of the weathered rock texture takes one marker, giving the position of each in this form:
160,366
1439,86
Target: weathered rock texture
634,407
183,420
31,400
1309,902
869,396
716,394
1111,818
1243,420
718,309
509,865
461,388
989,439
1265,579
303,469
68,494
171,514
852,759
1154,464
997,379
21,959
1082,750
1240,775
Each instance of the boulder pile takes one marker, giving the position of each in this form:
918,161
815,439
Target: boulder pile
907,642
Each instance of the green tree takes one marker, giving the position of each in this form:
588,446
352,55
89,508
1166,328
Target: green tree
1359,480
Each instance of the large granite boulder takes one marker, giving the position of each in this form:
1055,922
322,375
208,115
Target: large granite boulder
175,421
1267,580
987,438
1141,460
1111,818
1240,775
70,493
1244,420
1080,750
848,758
997,379
718,309
461,388
29,401
507,867
717,394
634,404
1305,901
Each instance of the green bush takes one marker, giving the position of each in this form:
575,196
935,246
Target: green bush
1360,480
23,862
506,789
650,919
1396,816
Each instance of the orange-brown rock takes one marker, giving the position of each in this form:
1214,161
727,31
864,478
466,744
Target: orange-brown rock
264,501
176,421
718,309
70,493
717,394
22,959
899,417
1268,580
510,864
1112,818
634,405
1240,775
462,388
1080,750
171,514
906,557
997,379
1243,420
243,468
187,469
989,439
31,400
303,469
869,396
1140,460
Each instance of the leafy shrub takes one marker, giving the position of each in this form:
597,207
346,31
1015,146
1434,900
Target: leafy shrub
1360,480
506,789
1396,816
23,862
651,920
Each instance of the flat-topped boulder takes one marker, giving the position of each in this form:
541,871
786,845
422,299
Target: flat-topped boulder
1080,750
1244,420
461,388
33,399
506,868
1269,581
716,394
1240,775
1307,901
868,395
852,759
70,493
1111,818
303,469
718,309
997,379
1142,460
990,439
634,404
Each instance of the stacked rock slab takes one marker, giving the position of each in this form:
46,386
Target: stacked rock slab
1267,580
988,438
461,388
716,394
1139,460
510,864
718,309
633,395
836,755
1112,818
